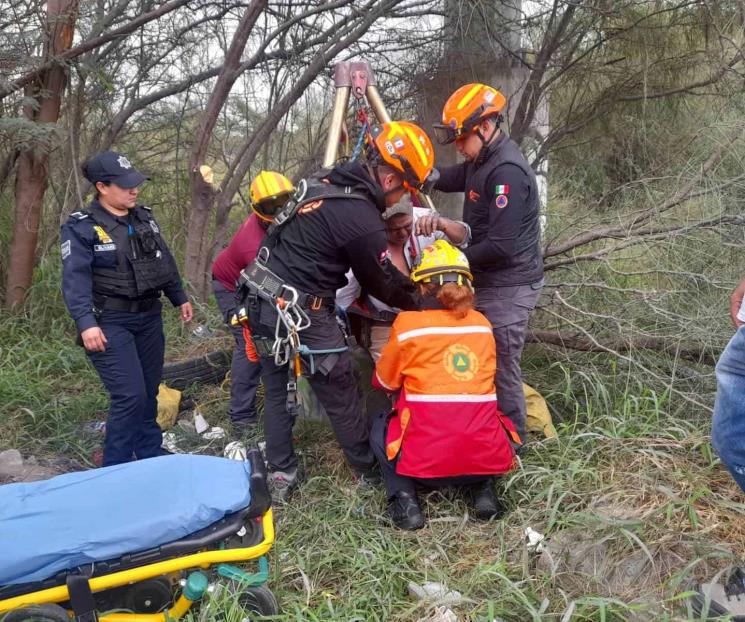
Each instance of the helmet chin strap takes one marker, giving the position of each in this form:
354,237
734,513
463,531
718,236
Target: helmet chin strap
485,143
380,183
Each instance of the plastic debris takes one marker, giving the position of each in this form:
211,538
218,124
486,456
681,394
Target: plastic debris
200,423
213,433
435,592
534,540
11,457
187,426
207,174
168,406
203,332
169,442
440,614
538,417
235,450
95,427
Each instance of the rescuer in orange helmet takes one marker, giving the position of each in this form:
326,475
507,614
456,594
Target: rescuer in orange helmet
501,205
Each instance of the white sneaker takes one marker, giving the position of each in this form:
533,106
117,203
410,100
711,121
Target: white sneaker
723,597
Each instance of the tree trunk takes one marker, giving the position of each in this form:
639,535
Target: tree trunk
31,171
482,44
202,193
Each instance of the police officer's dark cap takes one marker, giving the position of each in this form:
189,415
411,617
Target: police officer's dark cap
112,167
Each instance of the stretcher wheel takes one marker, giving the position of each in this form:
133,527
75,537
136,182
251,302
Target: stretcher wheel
38,613
150,596
259,600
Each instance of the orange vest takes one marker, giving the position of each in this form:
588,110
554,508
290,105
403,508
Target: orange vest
447,419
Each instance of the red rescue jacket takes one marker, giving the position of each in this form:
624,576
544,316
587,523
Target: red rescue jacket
447,419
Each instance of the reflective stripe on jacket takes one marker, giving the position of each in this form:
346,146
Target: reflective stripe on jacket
447,419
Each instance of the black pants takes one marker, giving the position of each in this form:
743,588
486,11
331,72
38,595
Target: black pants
395,483
131,368
244,375
333,383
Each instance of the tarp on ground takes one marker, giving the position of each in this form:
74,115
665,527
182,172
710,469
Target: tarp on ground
538,417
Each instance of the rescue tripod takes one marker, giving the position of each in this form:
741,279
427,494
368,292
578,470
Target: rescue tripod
358,80
351,78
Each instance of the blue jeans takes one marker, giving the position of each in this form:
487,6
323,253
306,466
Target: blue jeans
728,425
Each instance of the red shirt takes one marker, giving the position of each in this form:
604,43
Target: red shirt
239,253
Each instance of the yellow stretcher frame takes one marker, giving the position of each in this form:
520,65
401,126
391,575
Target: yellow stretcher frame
203,559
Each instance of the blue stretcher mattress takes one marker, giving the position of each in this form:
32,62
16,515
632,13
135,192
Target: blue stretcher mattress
79,518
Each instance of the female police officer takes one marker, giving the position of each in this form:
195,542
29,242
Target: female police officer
114,266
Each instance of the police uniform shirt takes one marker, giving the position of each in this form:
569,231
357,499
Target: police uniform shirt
98,238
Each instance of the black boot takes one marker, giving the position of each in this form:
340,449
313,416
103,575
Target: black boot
485,502
405,512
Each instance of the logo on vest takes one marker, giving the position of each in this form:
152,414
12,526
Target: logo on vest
310,207
103,237
461,362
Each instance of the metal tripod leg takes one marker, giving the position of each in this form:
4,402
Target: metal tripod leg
359,79
341,101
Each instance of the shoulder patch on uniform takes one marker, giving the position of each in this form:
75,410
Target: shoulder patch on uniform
502,189
473,196
310,207
502,201
103,237
65,249
79,215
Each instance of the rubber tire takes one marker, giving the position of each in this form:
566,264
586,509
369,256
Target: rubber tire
259,600
160,590
208,369
37,613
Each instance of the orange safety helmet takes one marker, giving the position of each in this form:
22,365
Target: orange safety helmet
405,147
466,108
269,191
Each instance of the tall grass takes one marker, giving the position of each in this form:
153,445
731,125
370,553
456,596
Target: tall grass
631,495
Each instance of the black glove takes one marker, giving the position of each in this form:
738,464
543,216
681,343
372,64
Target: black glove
430,182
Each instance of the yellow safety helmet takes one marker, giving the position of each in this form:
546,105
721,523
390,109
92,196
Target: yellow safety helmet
269,191
441,263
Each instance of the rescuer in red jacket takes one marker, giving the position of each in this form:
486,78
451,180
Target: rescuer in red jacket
447,428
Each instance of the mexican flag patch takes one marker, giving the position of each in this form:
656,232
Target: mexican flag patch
502,189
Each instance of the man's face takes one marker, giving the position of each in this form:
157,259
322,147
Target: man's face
398,229
117,197
469,145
